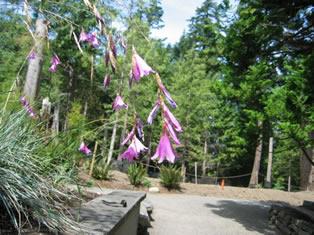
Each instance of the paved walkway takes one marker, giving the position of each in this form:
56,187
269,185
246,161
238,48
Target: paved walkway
176,214
196,215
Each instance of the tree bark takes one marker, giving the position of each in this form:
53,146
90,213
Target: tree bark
113,137
257,161
307,171
269,163
32,81
69,97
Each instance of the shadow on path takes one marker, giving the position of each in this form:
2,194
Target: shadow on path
252,215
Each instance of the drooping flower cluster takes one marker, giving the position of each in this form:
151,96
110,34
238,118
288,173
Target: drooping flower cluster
84,149
91,38
171,125
139,68
27,107
164,149
54,63
119,104
136,147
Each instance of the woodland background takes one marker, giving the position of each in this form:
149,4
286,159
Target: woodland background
239,77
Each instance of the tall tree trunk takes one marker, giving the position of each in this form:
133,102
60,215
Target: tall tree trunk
269,163
69,97
205,156
307,171
257,161
113,137
32,81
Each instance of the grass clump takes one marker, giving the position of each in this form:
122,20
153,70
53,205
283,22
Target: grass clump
26,195
136,174
170,177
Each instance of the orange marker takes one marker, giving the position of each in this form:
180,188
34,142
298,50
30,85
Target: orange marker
222,184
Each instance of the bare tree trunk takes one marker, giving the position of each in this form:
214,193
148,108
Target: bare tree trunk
32,81
307,171
55,122
113,137
69,97
205,156
269,163
257,161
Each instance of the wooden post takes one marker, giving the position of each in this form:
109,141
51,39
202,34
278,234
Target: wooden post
269,163
195,169
93,159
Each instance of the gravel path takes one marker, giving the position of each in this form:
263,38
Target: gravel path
197,215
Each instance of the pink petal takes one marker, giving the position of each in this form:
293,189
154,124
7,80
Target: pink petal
129,137
164,150
153,113
166,94
84,149
83,36
138,146
31,55
119,104
172,133
171,118
130,154
139,67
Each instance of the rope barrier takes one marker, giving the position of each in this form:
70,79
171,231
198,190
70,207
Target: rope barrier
208,177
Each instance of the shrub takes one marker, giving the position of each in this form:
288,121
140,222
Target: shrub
136,174
170,177
101,170
25,194
147,183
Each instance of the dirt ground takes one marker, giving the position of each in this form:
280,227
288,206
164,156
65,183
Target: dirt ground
120,180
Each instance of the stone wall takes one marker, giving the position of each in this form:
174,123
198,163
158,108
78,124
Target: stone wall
292,220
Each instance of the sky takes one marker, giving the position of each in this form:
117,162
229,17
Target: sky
176,16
